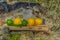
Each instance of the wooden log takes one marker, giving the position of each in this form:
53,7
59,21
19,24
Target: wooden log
35,28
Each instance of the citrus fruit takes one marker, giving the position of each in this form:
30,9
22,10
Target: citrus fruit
24,22
31,21
38,21
17,21
9,21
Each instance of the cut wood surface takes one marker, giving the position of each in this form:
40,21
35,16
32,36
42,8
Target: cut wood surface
34,28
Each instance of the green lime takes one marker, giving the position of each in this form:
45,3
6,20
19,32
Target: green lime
24,22
9,21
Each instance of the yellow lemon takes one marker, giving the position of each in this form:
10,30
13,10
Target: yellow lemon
38,21
31,21
17,21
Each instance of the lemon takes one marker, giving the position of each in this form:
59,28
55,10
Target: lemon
31,21
38,21
17,21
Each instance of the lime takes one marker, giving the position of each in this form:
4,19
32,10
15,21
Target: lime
9,21
24,22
